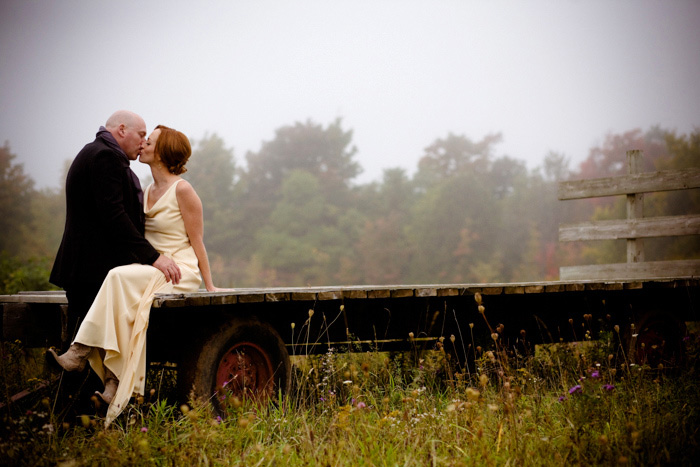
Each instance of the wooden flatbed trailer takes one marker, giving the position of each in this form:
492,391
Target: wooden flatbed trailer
243,338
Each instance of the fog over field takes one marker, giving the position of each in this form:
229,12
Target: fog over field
550,76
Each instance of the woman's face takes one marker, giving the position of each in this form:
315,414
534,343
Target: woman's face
148,153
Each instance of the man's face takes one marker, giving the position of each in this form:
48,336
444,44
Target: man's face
134,138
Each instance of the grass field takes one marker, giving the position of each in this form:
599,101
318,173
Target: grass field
576,404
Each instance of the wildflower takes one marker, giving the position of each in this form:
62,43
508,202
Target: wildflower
562,398
144,429
576,389
494,336
473,394
219,419
595,374
483,380
471,325
361,405
608,387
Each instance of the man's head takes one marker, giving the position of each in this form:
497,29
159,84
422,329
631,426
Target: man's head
129,130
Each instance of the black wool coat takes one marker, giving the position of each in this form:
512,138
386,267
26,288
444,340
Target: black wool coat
104,218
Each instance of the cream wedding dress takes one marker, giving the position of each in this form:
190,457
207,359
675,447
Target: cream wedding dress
118,318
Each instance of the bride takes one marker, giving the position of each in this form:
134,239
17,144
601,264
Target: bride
112,337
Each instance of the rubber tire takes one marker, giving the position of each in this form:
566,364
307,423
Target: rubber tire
198,375
655,327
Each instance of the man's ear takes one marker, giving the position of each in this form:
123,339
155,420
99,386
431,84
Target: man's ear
122,130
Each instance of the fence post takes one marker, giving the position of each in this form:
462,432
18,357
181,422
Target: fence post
635,208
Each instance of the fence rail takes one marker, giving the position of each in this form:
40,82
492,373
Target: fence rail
635,227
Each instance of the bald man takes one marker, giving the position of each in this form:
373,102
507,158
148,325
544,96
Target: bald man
104,216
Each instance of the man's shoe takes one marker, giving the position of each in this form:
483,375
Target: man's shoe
111,384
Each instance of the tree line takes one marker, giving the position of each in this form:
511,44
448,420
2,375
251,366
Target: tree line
292,215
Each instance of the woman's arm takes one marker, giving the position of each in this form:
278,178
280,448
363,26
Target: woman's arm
192,214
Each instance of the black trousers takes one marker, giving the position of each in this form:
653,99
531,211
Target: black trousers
80,300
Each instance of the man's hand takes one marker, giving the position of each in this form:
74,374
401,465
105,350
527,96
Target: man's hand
168,267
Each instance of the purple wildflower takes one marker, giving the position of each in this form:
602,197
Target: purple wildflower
562,398
144,429
608,387
576,389
361,405
219,419
595,374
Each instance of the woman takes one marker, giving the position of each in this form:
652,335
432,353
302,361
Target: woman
112,337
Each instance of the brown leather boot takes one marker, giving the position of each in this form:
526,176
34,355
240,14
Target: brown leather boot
74,358
111,384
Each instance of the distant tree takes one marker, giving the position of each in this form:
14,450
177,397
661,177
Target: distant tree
300,241
326,153
48,208
610,158
212,172
454,155
16,190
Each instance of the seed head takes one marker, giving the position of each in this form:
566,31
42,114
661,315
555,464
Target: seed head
481,309
617,329
452,338
483,380
311,313
293,325
477,298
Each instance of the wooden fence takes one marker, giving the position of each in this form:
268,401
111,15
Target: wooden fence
635,227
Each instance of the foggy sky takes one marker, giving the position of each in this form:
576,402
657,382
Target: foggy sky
548,75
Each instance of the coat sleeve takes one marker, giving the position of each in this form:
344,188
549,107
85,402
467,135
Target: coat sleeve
107,187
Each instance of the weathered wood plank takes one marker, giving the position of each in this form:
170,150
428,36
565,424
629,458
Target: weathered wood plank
330,295
555,287
664,180
666,226
632,271
303,296
355,293
401,293
251,298
277,297
381,293
426,292
448,292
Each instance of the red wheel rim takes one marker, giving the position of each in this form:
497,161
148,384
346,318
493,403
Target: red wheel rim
245,370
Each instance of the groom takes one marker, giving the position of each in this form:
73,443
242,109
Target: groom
104,216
